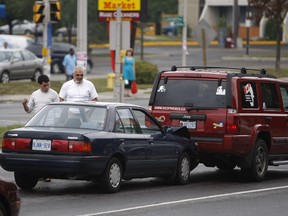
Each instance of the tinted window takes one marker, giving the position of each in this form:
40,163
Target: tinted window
193,93
147,125
248,95
284,94
269,94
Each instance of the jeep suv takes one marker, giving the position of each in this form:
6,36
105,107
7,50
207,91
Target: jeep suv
238,117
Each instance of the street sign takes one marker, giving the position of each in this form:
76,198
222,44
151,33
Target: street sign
177,20
210,33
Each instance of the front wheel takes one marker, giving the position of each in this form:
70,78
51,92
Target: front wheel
5,77
56,68
36,75
259,167
112,176
183,169
25,181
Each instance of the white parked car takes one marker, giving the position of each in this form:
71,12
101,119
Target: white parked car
63,31
15,41
21,27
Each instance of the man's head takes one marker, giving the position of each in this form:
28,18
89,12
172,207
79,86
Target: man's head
44,82
5,44
71,51
78,74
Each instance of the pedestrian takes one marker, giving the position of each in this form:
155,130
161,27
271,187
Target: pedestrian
69,63
39,98
128,71
78,89
5,45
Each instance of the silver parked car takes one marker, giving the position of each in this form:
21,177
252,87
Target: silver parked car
16,64
20,27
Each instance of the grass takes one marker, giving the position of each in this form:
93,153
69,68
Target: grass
4,129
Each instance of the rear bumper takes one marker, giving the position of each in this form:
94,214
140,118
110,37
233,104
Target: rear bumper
56,164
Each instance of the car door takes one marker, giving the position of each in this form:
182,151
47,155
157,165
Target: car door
162,149
17,65
30,63
132,143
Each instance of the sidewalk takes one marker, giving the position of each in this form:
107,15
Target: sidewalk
142,94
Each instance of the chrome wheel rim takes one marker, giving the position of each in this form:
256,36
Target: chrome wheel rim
5,78
185,169
114,175
260,162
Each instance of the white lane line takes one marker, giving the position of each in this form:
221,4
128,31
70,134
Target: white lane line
186,200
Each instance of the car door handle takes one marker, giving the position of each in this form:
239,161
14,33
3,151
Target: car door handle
151,142
268,118
122,141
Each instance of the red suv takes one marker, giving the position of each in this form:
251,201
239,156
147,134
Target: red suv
237,118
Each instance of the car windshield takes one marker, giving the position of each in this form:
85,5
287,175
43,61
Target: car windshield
70,116
195,93
5,56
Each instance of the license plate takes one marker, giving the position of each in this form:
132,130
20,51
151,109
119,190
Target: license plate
190,125
41,145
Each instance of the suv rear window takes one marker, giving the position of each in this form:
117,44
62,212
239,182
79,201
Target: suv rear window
192,93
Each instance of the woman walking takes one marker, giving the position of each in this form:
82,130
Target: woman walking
128,71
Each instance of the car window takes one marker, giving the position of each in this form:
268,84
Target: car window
147,125
284,95
248,93
86,117
16,56
5,56
28,55
125,122
194,93
269,95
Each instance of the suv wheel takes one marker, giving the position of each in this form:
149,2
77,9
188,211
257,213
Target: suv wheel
258,170
25,181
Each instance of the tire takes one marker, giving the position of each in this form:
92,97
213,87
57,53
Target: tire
5,77
27,32
55,68
259,167
112,176
36,75
25,181
3,210
183,169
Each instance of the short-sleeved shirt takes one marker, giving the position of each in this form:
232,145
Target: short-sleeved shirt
69,62
39,99
71,91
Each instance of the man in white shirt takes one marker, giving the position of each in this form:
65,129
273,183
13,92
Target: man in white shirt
78,89
40,97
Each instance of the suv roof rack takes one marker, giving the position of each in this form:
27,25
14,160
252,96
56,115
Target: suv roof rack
242,70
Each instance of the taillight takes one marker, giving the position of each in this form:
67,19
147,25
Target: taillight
79,147
232,126
60,145
16,143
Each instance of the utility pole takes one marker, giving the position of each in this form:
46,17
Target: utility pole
235,22
45,49
82,6
184,33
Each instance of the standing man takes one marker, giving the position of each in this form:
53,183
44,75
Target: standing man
69,63
78,89
40,97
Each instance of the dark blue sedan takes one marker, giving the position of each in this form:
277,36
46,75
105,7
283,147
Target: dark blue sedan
104,142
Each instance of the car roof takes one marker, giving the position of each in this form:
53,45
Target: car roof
98,103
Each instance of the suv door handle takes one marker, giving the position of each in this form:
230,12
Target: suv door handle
268,118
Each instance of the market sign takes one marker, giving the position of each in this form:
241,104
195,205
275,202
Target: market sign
130,9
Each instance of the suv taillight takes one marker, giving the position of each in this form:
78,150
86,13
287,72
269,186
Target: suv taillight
232,126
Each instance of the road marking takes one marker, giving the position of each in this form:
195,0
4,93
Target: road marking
186,200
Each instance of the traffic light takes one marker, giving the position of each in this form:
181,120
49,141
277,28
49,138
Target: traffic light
55,13
38,10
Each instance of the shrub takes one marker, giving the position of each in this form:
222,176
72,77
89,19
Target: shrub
145,72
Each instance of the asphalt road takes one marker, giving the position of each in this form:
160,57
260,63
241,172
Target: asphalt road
210,192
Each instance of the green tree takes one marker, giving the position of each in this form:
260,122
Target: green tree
276,10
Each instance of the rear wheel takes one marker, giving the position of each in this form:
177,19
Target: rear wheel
25,181
183,169
112,176
36,75
5,77
3,211
258,170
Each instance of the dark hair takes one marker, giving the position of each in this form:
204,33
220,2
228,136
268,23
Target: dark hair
130,52
43,78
